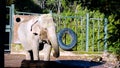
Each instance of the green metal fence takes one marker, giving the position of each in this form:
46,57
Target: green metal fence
91,32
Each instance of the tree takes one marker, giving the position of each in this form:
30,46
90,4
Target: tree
27,6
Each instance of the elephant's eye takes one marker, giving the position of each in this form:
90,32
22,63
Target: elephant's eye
35,33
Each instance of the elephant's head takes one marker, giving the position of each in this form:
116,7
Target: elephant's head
44,28
43,34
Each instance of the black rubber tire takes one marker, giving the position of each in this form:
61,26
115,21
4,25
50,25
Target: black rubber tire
72,34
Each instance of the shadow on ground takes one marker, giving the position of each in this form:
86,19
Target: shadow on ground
59,64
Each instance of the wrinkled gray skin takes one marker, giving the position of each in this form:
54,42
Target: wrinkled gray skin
29,34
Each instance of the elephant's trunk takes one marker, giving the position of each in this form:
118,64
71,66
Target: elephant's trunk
53,40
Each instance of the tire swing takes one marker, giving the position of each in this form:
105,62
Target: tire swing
73,36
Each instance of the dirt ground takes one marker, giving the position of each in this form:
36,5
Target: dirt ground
67,58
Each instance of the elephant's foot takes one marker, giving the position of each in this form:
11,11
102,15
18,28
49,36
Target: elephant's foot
36,58
56,53
28,56
35,54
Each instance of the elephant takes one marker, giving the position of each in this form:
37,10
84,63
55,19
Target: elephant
38,30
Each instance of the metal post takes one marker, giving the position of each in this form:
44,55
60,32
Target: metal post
98,43
105,34
12,15
11,24
93,37
87,31
50,11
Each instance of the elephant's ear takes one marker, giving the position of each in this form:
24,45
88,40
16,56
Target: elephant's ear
33,25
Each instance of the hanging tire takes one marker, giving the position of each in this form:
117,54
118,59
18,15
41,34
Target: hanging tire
73,36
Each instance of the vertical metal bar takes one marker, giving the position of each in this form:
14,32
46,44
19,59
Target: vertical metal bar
87,31
11,24
105,34
59,26
93,38
76,20
50,12
98,43
12,9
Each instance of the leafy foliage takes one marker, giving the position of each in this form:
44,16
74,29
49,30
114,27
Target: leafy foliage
114,35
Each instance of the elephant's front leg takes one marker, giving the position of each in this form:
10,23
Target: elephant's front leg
27,55
35,53
47,51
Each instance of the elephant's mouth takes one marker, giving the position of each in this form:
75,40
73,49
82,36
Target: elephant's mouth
41,44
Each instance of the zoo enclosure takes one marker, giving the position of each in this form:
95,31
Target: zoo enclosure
91,32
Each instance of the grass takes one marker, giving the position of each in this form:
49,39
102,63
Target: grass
17,47
84,52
